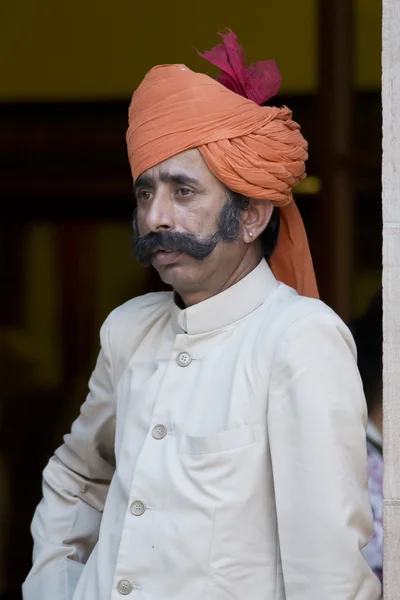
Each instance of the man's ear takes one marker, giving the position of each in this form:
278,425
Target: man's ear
256,218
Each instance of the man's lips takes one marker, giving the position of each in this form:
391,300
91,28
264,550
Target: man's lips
165,257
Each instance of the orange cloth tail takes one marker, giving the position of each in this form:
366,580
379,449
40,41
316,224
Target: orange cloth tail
291,262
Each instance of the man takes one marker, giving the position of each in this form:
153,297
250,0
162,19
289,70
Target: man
221,450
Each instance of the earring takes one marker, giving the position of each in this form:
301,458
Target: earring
250,234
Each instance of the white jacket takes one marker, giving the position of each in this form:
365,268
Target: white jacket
220,455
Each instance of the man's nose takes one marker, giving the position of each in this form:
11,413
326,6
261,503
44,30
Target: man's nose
160,214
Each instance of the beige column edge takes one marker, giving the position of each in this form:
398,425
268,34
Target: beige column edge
391,294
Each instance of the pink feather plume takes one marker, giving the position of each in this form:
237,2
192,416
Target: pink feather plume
259,82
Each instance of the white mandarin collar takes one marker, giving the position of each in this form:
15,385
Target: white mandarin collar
227,307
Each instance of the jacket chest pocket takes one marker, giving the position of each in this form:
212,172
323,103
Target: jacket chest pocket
222,470
222,441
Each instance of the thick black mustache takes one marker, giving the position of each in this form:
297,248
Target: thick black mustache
144,247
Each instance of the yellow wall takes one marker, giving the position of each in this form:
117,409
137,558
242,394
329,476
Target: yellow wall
100,49
368,43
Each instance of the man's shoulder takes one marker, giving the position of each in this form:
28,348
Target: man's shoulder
296,320
288,306
126,325
288,314
148,306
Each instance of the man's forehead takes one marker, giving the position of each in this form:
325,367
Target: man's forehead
186,165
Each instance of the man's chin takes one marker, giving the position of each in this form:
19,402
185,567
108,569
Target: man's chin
178,273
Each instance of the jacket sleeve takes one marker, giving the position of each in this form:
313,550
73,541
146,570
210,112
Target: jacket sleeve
66,523
316,426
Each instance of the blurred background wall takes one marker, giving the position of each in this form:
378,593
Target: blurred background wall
67,70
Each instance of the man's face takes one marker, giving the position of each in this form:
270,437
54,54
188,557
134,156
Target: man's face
182,196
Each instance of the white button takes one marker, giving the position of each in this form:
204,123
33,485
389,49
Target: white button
184,359
159,432
138,508
124,587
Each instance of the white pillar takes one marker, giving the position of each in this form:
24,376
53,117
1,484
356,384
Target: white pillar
391,294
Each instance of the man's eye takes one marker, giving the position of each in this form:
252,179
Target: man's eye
184,192
143,195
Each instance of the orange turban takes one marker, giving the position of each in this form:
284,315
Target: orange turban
255,151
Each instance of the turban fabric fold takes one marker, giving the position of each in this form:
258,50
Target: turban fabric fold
254,150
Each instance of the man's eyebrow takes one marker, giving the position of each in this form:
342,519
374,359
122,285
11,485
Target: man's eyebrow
143,181
179,178
175,178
